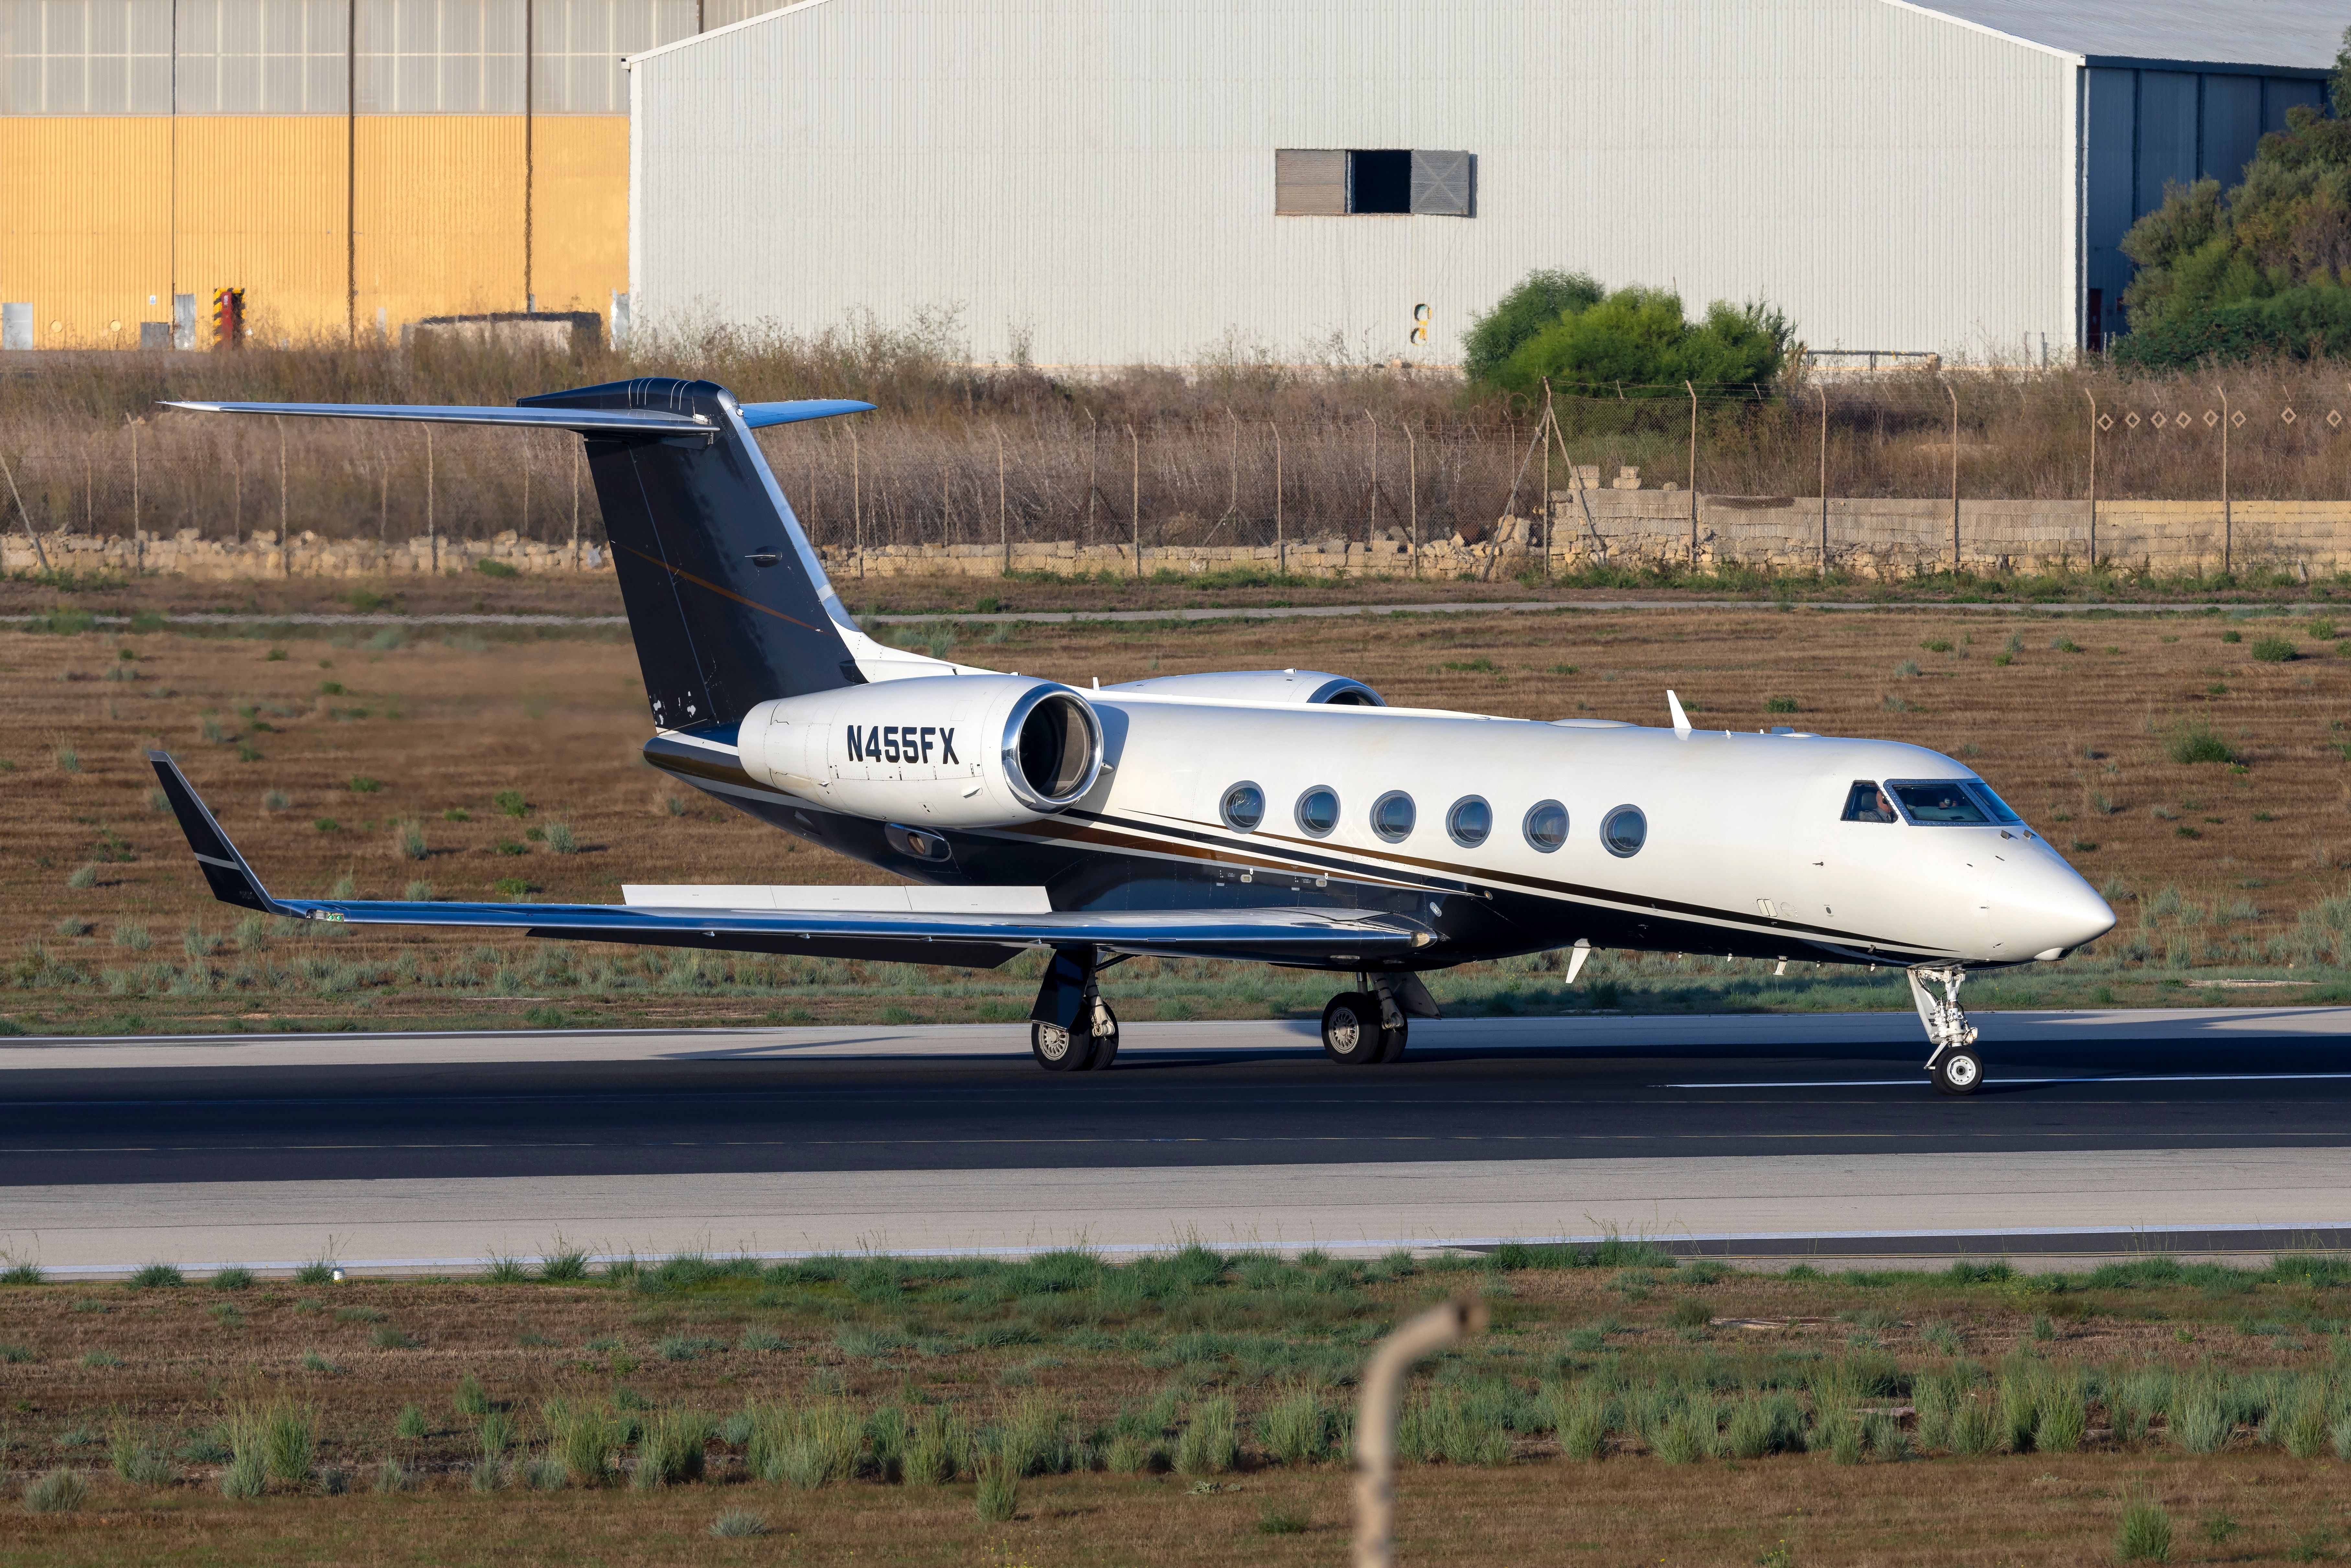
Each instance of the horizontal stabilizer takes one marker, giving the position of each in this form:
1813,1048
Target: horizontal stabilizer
586,421
980,937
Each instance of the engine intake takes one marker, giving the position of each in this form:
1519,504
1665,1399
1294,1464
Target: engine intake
947,750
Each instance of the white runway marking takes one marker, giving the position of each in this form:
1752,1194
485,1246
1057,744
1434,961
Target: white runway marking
2103,1078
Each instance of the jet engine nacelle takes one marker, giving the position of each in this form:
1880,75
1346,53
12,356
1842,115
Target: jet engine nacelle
1261,686
950,751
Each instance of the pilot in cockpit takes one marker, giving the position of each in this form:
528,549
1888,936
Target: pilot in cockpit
1867,803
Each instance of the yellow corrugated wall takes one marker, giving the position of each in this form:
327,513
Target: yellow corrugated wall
84,234
88,230
581,199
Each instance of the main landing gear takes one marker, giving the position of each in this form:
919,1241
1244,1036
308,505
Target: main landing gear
1364,1029
1072,1028
1953,1065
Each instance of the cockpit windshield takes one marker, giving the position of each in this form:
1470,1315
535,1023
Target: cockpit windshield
1966,802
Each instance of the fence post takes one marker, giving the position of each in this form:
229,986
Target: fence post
1693,469
1954,396
2093,479
1003,523
856,500
576,447
1281,543
2228,514
1371,511
1134,497
1412,499
1375,1420
39,549
137,532
1823,394
1544,431
432,520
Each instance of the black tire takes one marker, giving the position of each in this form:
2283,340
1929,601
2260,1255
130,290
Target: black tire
1352,1036
1959,1072
1058,1050
1392,1042
1105,1042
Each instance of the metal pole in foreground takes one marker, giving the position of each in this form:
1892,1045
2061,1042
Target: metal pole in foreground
2228,516
1375,1420
2094,477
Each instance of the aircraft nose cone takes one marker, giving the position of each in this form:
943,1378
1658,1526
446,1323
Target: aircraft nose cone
2060,912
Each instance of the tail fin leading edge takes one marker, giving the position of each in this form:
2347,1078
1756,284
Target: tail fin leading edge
726,600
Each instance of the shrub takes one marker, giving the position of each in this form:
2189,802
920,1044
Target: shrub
2194,741
812,1446
738,1522
1210,1443
363,785
560,840
489,567
511,802
2202,1420
390,1338
2273,650
60,1491
237,1279
391,1476
1765,1423
1690,1312
408,841
411,1424
155,1276
471,1399
316,1271
287,1437
936,1448
671,1448
2144,1535
563,1266
582,1441
999,1486
1582,1423
1295,1429
1781,705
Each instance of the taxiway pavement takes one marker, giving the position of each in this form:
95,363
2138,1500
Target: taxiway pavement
2098,1132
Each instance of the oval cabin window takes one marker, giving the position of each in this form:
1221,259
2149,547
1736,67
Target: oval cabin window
1318,810
1243,807
1546,825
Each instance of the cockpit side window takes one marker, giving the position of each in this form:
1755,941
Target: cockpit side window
1866,802
1939,800
2000,811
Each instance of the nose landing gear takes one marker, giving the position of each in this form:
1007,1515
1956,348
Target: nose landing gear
1953,1064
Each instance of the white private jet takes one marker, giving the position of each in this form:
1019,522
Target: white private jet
1284,815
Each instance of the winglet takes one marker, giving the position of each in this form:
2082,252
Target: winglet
232,880
1681,720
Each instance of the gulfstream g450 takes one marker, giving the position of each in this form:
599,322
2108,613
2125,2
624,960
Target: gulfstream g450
1287,817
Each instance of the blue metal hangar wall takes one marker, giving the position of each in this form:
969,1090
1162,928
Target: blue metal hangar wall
1116,182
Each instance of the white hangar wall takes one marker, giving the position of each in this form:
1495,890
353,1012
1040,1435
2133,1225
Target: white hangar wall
1099,174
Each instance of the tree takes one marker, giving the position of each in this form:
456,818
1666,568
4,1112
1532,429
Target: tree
1541,297
2262,269
1640,338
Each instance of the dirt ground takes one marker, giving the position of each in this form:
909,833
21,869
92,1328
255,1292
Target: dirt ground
315,744
162,1367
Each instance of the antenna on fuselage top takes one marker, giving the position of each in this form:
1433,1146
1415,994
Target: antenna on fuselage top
1681,720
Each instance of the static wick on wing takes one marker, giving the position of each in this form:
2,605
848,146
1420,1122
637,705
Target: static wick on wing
1681,720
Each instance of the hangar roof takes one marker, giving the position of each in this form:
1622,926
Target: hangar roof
2293,35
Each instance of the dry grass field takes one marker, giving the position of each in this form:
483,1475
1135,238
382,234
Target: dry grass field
334,754
1189,1409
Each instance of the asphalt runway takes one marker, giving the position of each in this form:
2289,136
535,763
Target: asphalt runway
1767,1128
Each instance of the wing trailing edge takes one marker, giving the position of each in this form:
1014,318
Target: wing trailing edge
970,938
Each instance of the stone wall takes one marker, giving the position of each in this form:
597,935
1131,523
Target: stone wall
1870,539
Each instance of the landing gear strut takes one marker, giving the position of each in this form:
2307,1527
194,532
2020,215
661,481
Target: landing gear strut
1072,1028
1953,1064
1364,1029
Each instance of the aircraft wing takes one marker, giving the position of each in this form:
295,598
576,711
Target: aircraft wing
979,940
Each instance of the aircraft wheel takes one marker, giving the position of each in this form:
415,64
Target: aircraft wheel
1058,1050
1392,1042
1105,1042
1959,1072
1351,1035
